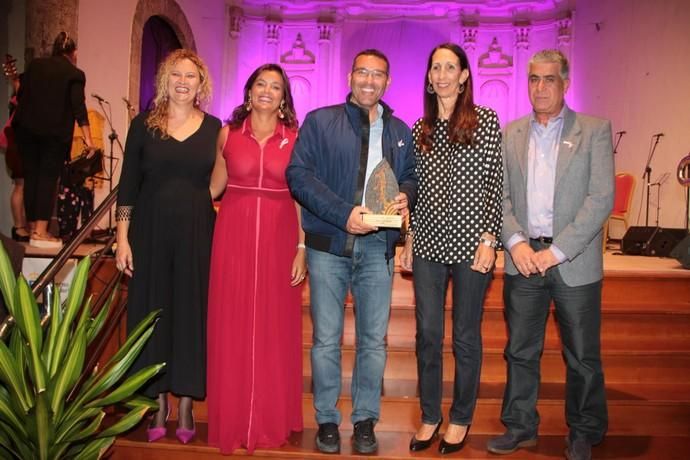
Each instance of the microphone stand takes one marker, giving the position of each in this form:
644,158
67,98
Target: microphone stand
618,141
113,137
648,173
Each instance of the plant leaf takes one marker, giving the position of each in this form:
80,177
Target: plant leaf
71,425
10,375
95,449
44,428
31,329
8,415
74,300
99,320
69,372
140,401
18,350
129,386
6,442
85,312
112,375
53,329
134,335
89,430
128,421
7,280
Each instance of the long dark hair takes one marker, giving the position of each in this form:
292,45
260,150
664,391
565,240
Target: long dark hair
463,121
63,45
241,113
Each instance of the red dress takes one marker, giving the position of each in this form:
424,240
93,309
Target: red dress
254,315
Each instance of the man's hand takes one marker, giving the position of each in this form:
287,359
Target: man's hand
355,224
523,256
544,260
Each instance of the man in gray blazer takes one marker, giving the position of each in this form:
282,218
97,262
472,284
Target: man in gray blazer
557,193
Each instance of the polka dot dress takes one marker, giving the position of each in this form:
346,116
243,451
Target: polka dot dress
459,193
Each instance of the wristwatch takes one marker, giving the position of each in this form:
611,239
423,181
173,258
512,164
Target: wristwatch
487,242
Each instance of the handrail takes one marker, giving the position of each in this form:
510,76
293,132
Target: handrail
65,253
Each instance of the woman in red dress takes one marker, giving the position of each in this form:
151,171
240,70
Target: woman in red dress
257,267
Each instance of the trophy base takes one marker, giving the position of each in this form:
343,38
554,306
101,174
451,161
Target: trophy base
383,220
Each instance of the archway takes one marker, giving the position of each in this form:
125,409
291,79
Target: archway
168,11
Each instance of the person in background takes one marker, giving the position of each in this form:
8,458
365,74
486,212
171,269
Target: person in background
557,194
50,99
456,224
258,265
165,222
337,150
13,162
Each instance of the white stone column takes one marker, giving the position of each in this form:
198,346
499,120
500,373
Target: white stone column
564,44
230,88
272,41
521,55
564,37
323,63
469,44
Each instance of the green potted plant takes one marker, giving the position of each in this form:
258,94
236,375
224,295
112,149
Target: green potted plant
46,410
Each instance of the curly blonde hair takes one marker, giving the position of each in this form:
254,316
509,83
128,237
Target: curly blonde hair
157,120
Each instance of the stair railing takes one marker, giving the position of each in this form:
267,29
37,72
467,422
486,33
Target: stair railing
43,283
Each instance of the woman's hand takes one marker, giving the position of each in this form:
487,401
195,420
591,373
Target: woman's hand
123,258
406,254
484,258
299,267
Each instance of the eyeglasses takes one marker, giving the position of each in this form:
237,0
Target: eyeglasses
548,80
363,73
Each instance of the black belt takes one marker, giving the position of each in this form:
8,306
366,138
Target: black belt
543,239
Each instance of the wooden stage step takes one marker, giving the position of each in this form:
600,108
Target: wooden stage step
394,445
646,354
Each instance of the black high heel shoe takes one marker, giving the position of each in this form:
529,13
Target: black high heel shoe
446,447
19,238
417,445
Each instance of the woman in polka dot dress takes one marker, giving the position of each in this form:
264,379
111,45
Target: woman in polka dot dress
454,227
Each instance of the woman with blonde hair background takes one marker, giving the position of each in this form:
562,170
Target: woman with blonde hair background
165,223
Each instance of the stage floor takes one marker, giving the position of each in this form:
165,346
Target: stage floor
615,263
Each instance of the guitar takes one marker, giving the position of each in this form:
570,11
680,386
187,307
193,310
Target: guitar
9,69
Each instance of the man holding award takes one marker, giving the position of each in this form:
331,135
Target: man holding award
352,171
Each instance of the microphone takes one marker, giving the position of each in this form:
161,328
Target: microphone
620,133
99,98
127,103
658,135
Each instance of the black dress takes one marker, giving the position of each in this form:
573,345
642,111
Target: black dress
166,184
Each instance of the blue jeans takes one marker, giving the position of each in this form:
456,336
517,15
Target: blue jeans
469,287
370,277
578,313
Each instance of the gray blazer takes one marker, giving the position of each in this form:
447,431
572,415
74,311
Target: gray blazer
583,196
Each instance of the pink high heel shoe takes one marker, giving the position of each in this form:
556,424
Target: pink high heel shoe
158,432
185,435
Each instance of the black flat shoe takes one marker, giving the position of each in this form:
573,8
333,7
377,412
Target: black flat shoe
417,445
448,448
19,238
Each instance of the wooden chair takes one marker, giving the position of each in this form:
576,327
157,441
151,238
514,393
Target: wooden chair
625,185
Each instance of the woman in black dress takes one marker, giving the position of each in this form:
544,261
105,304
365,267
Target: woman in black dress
165,223
455,222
